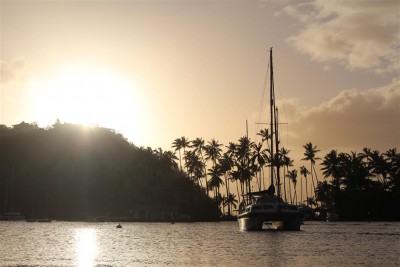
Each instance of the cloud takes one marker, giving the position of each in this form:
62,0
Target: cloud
353,119
10,70
359,34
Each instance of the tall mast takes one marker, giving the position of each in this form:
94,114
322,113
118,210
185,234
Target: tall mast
274,129
271,104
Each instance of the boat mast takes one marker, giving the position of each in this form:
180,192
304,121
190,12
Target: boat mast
274,128
271,105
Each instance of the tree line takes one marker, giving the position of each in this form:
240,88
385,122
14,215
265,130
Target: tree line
72,172
357,186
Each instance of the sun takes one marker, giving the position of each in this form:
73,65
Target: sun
88,96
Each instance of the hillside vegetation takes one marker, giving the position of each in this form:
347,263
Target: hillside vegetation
71,172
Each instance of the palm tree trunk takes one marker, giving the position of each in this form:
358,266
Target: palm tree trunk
284,184
301,189
180,160
263,178
306,189
237,190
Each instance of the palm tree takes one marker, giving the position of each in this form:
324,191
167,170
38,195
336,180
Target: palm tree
245,165
264,133
286,163
304,172
379,166
167,159
310,155
215,181
355,173
194,166
213,151
184,144
292,175
234,174
230,200
259,157
225,165
294,180
366,155
199,147
332,167
393,160
177,144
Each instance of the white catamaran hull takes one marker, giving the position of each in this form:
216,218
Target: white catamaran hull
285,222
249,224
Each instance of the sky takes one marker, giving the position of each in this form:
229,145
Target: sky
158,70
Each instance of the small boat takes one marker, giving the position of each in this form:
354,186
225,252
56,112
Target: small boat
266,207
118,226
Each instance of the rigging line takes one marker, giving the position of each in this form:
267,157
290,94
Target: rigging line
282,104
261,103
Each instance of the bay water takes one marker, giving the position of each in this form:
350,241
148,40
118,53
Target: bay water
199,244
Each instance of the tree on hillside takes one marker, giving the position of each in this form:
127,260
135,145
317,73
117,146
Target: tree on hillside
199,148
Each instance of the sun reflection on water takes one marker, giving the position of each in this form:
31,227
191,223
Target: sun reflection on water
86,246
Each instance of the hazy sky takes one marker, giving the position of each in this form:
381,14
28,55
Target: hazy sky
159,70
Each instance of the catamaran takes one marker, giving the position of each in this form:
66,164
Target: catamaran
267,206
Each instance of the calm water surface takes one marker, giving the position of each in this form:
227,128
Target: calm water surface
201,244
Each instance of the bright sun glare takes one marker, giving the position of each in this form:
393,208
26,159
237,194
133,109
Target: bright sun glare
87,96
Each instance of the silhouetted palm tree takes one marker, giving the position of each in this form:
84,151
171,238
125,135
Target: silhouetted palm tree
310,155
167,159
260,158
355,173
215,181
332,167
230,200
292,175
225,165
199,148
304,172
265,135
245,165
231,148
393,159
194,166
379,166
177,144
213,151
286,163
366,155
185,143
